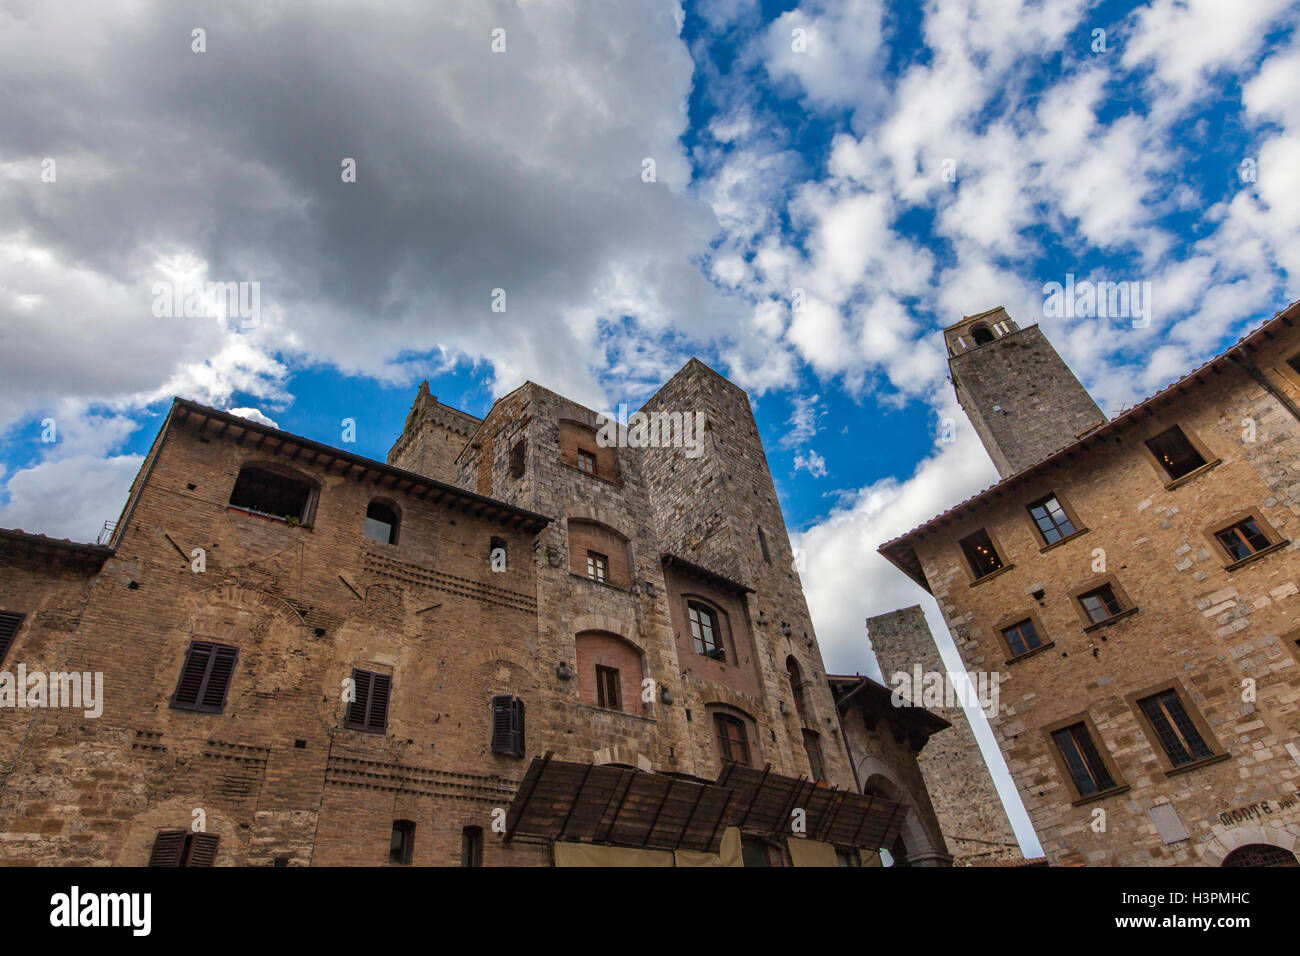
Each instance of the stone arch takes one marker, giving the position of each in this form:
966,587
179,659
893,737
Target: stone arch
610,624
622,755
923,847
1225,841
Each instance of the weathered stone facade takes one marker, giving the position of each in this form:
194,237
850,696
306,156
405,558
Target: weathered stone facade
1186,621
969,810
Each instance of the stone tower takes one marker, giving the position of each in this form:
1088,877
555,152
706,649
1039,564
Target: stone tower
970,812
434,435
1018,393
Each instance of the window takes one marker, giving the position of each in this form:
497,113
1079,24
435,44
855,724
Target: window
1100,604
1021,638
497,554
402,847
762,543
471,846
1177,735
1260,854
1052,521
183,848
381,523
733,745
607,687
1175,453
1294,362
1242,539
205,677
981,554
813,747
518,457
508,726
1086,767
704,631
981,334
368,710
758,852
9,624
597,566
266,492
586,461
795,677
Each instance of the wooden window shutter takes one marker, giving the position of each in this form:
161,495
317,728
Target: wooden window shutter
203,849
9,624
380,688
508,726
168,848
205,677
369,711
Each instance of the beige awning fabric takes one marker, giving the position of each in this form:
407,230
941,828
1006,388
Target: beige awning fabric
589,854
729,849
695,858
805,852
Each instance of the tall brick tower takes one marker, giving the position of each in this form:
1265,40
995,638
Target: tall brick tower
432,438
970,812
1018,393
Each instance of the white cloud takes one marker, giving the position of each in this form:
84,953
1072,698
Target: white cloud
812,463
254,415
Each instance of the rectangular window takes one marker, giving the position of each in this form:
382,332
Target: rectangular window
762,543
981,554
183,848
607,687
266,492
733,745
812,746
402,848
1175,453
1022,638
1084,762
368,710
1101,604
471,846
1178,736
9,624
205,677
1242,539
508,726
597,566
704,632
1052,521
586,461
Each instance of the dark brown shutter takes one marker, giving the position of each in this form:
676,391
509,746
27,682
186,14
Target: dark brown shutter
10,621
220,670
369,711
360,705
508,726
190,685
203,849
168,848
205,677
380,687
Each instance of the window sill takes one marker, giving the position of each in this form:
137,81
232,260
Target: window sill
1060,541
992,574
1101,795
1114,618
363,730
1027,654
616,482
1192,475
267,517
1256,556
1198,764
617,713
599,583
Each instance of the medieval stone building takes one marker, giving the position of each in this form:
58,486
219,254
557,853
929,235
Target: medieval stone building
1136,584
529,639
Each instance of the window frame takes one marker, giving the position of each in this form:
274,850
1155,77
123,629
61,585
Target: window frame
406,829
214,654
812,746
697,606
1044,642
998,552
471,846
1230,563
308,515
508,737
1077,798
395,527
608,681
365,725
1070,515
723,742
1209,459
1193,713
1127,606
597,567
583,456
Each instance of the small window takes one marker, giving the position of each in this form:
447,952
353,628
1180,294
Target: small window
1052,521
813,748
795,676
205,677
508,726
381,523
1022,637
705,633
758,852
597,566
733,744
183,848
402,848
762,543
981,334
518,458
1294,362
368,711
1101,604
1242,539
607,688
497,554
1174,729
1175,453
9,624
471,846
1086,767
269,493
981,554
587,461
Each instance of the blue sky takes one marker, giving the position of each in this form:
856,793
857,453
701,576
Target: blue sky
895,166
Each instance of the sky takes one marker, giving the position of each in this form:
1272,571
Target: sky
588,194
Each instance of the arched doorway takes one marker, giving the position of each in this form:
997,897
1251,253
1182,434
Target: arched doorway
1260,854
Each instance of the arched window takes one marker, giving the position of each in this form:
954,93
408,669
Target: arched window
706,631
497,554
518,458
381,522
1260,854
274,492
796,683
981,334
599,553
581,448
610,671
733,741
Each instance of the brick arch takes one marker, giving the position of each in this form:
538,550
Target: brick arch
1217,850
732,704
497,655
243,598
624,755
606,622
585,535
604,649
